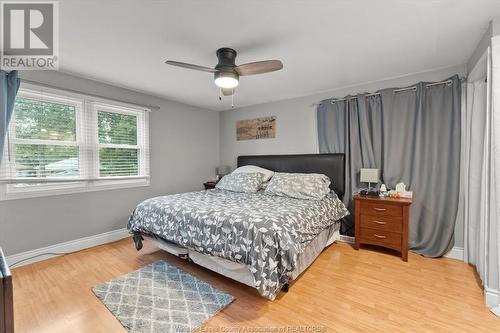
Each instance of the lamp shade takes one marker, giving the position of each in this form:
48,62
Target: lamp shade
222,170
369,175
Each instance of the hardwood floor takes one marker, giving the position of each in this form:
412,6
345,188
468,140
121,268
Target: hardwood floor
343,291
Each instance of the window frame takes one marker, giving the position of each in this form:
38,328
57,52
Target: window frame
86,140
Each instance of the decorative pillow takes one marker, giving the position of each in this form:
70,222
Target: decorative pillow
312,186
241,182
253,169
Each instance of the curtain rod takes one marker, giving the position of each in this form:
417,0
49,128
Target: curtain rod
150,107
414,88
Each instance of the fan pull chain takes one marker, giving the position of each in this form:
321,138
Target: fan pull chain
232,98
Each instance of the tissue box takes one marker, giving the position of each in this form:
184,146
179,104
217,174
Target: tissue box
406,194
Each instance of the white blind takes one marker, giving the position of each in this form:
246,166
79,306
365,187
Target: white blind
121,139
57,137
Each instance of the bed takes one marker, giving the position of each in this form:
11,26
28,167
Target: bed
261,240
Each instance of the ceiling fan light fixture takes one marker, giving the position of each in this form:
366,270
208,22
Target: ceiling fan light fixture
227,73
226,79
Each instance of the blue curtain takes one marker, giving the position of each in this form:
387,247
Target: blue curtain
9,85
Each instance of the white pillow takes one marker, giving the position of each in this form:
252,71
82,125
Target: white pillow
253,169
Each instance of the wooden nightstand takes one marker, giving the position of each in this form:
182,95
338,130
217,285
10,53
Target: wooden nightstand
383,222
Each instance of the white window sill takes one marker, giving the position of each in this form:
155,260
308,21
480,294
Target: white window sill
73,188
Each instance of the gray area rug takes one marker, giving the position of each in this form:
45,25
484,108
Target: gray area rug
161,298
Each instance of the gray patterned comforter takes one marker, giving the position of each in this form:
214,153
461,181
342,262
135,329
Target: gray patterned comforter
263,231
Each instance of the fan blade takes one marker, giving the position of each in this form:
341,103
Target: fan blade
191,66
228,91
259,67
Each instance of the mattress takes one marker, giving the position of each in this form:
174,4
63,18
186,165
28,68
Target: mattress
264,232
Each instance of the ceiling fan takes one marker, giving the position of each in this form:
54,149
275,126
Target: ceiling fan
227,73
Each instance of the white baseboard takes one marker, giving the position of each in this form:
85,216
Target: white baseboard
32,256
347,239
456,253
491,297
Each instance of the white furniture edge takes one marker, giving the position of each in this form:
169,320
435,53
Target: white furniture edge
70,246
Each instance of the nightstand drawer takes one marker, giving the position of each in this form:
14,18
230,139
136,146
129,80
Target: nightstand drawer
384,223
380,209
379,237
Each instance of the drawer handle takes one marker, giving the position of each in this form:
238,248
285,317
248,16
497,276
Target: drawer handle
380,209
380,222
378,236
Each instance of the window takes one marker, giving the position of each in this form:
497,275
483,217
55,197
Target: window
118,149
61,143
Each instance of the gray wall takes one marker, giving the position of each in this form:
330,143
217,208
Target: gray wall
296,121
184,144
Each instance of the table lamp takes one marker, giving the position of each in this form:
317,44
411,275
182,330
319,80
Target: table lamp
222,170
369,176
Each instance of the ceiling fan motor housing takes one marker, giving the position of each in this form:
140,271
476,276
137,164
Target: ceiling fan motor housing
226,66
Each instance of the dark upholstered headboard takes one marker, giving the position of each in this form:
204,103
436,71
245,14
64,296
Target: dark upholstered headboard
332,165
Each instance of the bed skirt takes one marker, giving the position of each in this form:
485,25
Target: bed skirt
240,272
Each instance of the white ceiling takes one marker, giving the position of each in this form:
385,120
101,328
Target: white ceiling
323,44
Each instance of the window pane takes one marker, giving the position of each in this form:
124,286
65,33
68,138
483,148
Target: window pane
44,120
46,161
117,128
118,162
